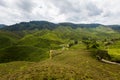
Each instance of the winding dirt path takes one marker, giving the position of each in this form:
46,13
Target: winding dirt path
106,61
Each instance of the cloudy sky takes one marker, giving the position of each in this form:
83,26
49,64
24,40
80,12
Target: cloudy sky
77,11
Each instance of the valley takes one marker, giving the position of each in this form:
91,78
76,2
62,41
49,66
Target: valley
76,50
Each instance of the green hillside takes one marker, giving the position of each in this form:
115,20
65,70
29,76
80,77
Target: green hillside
76,51
22,53
70,65
7,39
55,39
115,54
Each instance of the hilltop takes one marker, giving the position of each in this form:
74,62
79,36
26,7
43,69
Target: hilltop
2,25
39,25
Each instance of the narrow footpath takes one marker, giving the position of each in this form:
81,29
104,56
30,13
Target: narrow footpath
106,61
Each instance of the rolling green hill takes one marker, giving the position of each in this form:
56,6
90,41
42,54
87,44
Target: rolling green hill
53,39
22,53
25,50
70,65
7,39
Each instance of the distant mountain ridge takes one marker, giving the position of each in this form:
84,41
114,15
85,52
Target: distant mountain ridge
2,25
80,25
115,27
32,25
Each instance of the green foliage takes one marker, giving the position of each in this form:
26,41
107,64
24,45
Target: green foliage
70,65
75,63
115,54
22,53
48,39
102,54
115,45
38,41
7,39
32,25
90,43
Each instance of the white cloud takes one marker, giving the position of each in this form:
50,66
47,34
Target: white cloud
88,11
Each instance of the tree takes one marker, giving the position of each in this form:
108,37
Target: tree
87,43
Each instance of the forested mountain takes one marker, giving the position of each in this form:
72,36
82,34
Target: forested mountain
2,25
80,25
115,27
32,25
39,25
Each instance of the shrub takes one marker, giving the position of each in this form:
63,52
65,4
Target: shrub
102,54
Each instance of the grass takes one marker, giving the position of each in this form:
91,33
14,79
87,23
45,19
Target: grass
70,65
116,45
114,51
115,54
78,46
28,58
12,67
